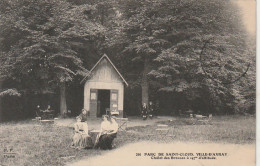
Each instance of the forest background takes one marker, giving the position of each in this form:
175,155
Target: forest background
181,54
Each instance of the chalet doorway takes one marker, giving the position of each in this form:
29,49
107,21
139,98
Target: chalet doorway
103,102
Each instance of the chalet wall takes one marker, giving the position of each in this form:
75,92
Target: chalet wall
104,76
104,85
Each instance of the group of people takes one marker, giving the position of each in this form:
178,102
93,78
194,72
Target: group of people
147,111
44,114
104,140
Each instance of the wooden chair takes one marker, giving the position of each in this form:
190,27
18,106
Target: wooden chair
38,118
122,123
192,119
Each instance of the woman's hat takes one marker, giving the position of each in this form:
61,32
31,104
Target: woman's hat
105,116
78,117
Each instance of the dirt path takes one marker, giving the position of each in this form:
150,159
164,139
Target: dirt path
239,155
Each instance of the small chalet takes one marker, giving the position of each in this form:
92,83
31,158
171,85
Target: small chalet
104,89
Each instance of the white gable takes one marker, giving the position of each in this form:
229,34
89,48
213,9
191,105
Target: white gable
104,72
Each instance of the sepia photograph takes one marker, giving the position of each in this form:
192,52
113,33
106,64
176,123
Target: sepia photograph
128,83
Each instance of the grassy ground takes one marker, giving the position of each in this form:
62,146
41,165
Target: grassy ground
224,129
50,145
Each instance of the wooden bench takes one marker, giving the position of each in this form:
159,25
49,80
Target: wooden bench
47,121
44,121
206,119
200,119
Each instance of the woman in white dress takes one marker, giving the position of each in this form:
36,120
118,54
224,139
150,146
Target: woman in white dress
81,139
108,132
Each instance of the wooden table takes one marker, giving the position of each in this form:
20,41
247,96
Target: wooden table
94,134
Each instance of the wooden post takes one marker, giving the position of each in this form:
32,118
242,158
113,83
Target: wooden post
145,84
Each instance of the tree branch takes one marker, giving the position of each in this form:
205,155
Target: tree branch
209,76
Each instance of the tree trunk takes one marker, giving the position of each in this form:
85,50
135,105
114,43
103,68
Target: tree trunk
1,109
63,104
145,84
102,16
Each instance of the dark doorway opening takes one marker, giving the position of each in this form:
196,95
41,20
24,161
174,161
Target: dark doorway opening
103,102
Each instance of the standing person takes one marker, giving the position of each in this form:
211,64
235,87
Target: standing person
83,115
151,109
48,108
81,139
144,111
38,111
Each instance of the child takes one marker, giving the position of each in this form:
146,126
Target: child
83,115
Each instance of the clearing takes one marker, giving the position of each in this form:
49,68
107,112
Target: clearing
36,144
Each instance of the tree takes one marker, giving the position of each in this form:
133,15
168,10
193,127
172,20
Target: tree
209,64
44,36
139,32
167,37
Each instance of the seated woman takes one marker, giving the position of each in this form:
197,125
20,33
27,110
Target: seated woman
108,132
113,131
113,126
81,139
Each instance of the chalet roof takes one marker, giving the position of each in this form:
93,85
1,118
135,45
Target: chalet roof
105,56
